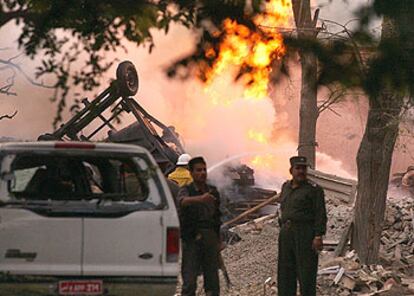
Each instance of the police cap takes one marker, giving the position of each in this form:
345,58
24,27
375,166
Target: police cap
298,160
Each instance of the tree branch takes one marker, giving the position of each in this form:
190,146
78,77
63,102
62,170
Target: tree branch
334,96
357,50
5,17
8,116
10,64
6,88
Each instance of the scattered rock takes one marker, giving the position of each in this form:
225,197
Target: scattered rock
252,261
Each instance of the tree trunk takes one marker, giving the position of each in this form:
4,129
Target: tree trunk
308,115
374,162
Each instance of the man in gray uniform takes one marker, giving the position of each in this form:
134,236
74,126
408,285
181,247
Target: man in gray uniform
198,207
303,223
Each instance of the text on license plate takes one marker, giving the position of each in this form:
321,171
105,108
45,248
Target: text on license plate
81,287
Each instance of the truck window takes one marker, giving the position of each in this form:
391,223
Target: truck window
62,177
23,176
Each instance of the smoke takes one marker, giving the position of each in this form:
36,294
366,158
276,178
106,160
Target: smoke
217,123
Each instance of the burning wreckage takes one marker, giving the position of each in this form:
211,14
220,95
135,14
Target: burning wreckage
161,140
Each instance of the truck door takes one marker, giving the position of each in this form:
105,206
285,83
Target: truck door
32,239
31,243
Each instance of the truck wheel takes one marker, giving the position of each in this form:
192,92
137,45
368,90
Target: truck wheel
127,76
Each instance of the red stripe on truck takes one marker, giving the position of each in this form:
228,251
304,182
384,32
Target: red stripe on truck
173,244
69,145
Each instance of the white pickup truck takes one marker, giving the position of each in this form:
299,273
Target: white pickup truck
80,218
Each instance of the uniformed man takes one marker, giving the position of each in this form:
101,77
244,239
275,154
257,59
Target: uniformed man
198,205
303,223
181,175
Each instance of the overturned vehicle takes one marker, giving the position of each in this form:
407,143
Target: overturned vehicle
165,148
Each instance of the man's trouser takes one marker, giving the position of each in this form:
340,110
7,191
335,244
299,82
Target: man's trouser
200,252
297,260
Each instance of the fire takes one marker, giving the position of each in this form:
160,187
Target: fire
252,53
243,48
266,161
237,114
259,137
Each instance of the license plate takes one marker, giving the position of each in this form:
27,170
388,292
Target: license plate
81,287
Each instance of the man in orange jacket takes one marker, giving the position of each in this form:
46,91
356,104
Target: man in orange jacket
181,175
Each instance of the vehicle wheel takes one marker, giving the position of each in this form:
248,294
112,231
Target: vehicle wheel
127,76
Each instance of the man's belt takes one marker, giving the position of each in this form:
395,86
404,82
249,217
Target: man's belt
290,222
205,225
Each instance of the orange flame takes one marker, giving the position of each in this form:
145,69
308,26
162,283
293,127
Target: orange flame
242,47
259,137
249,55
267,161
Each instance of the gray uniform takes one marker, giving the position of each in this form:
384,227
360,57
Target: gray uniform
303,217
200,230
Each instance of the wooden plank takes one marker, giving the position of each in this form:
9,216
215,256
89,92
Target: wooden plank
343,242
252,210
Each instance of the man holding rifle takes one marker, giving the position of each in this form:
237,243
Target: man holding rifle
198,207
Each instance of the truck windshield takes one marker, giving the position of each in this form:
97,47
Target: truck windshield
75,178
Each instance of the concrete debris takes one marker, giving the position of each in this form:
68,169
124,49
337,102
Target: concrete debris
397,238
350,254
252,262
339,217
346,276
347,282
339,275
330,270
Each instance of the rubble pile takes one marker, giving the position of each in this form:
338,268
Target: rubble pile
339,217
346,276
397,241
252,262
395,276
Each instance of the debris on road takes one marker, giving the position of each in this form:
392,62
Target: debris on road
252,261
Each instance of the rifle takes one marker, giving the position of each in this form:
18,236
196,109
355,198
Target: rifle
224,271
221,264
